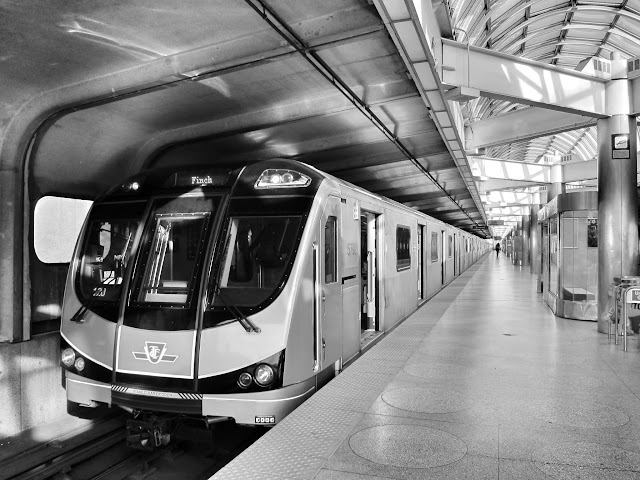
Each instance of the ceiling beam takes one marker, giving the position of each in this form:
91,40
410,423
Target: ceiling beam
519,80
491,168
521,125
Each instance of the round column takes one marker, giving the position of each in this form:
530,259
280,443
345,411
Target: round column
526,221
556,187
535,239
617,191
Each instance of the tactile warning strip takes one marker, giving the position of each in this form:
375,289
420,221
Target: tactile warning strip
300,445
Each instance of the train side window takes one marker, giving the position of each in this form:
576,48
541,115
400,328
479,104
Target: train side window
403,248
57,224
330,247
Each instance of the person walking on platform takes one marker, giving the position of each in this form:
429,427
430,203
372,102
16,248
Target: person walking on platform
497,249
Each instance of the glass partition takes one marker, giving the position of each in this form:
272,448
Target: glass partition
579,255
553,255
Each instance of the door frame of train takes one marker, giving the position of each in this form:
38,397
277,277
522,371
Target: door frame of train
443,269
422,229
455,254
372,295
328,295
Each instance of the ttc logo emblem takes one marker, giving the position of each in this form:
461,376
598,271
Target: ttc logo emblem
154,352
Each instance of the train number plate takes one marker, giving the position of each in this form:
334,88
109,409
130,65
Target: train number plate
266,420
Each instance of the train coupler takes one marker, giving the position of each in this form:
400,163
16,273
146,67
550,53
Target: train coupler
148,434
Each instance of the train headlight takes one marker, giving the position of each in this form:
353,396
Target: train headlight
79,364
282,178
68,356
244,380
264,375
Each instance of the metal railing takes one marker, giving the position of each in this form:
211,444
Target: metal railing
624,294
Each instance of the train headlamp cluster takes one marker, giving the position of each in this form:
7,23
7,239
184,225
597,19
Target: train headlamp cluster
69,359
282,178
245,379
132,186
263,375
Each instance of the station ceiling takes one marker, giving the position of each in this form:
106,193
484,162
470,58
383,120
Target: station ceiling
562,33
120,86
127,85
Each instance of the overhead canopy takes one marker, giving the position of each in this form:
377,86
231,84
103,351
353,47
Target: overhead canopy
556,32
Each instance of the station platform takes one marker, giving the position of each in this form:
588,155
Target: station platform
482,382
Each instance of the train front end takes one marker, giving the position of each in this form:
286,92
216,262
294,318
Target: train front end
183,294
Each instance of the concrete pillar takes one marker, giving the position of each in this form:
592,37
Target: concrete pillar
526,221
556,187
535,240
617,195
516,259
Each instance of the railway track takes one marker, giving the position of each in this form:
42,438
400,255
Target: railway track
100,453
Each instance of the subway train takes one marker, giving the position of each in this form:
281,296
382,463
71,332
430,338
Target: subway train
213,294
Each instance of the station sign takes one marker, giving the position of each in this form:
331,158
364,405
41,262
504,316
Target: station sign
633,295
620,146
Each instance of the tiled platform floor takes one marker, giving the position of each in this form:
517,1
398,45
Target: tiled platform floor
482,382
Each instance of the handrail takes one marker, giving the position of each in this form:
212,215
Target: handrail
316,308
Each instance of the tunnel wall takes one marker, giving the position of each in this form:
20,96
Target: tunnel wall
31,391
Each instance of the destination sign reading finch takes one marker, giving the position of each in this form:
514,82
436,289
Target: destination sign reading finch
155,352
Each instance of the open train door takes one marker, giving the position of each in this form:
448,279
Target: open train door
369,260
421,289
442,260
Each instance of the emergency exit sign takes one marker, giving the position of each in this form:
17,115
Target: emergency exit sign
620,146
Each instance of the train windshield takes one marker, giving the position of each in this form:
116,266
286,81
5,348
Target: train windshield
171,251
105,254
255,260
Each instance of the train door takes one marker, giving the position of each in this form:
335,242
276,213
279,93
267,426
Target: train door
443,261
455,255
350,271
158,333
329,299
368,262
421,288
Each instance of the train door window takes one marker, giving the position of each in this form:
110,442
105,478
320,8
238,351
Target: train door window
330,250
171,268
170,255
434,247
403,248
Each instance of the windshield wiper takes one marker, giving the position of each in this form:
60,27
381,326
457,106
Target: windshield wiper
78,317
240,317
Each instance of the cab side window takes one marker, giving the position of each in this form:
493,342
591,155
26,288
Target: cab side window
330,250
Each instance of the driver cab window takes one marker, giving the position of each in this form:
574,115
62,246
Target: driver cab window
256,256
